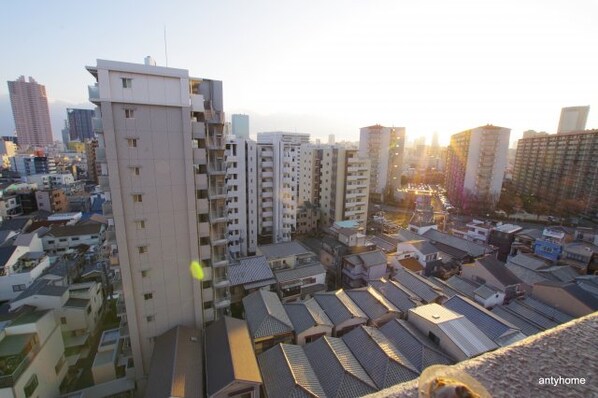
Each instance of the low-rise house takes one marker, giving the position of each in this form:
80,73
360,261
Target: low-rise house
400,297
32,362
550,244
497,329
418,286
361,267
386,243
61,239
583,256
416,347
531,269
231,365
485,295
19,269
53,200
287,372
309,321
415,255
567,297
488,270
342,311
450,331
351,237
383,362
474,250
478,231
524,241
249,274
268,322
378,309
337,369
176,367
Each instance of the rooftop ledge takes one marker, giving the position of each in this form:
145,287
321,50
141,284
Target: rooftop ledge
568,350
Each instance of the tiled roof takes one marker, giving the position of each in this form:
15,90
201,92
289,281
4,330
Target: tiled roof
385,364
339,372
5,254
399,297
531,315
465,286
418,285
306,314
374,304
367,259
249,270
528,261
284,249
496,328
404,235
530,232
338,306
75,230
299,272
42,287
546,310
447,290
451,251
383,244
526,327
498,270
411,264
14,224
526,275
286,372
266,315
229,354
414,345
485,292
562,273
423,246
473,249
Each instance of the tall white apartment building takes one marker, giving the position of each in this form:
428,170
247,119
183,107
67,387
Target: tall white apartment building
240,126
278,173
161,152
476,164
242,196
336,180
384,146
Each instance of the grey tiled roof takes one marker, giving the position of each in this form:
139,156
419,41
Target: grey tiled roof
498,270
249,270
306,314
423,246
465,286
546,310
404,235
339,372
562,273
299,272
496,328
385,364
42,287
383,244
526,327
526,275
418,285
284,249
473,249
414,345
485,292
528,261
372,302
531,315
338,306
447,290
5,254
286,372
367,259
394,293
530,232
266,315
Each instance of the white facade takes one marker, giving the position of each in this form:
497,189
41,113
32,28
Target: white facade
20,274
573,118
46,181
278,172
161,154
240,126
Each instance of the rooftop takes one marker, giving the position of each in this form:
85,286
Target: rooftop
473,249
284,249
266,315
498,270
250,270
306,314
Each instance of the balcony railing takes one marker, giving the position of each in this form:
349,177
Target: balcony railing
9,380
94,93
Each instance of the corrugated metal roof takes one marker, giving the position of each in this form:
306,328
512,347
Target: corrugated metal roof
286,372
467,337
249,270
339,307
414,345
266,315
549,311
526,327
307,314
531,315
384,363
339,372
371,302
416,284
299,272
399,297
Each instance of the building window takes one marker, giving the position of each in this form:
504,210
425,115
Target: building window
135,171
18,288
127,82
63,320
31,385
140,224
129,113
434,338
150,318
137,198
142,249
75,239
144,274
148,296
132,142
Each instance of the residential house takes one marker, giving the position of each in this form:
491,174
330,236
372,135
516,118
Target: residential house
422,251
53,200
485,295
268,322
488,270
359,268
418,286
550,244
231,365
400,297
582,256
61,239
441,240
531,269
524,241
309,320
19,268
378,309
450,331
342,311
502,237
249,274
567,297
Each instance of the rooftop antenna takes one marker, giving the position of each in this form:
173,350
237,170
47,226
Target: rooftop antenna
165,46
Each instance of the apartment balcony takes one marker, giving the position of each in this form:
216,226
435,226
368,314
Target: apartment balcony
104,183
267,194
217,192
217,167
267,154
204,229
96,125
288,211
202,206
222,303
267,214
201,181
111,235
219,260
267,204
217,216
114,259
208,315
94,94
267,174
267,184
267,224
15,365
199,156
215,142
123,328
268,164
288,180
107,209
198,130
197,102
208,294
221,282
218,238
120,306
205,252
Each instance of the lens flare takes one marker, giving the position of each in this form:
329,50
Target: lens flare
196,270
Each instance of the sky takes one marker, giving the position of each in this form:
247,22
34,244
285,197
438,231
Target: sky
326,67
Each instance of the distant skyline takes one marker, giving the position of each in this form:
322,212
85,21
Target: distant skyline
327,67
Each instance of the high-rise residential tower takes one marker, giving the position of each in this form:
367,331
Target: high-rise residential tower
573,118
31,113
161,151
79,122
240,124
384,146
476,164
